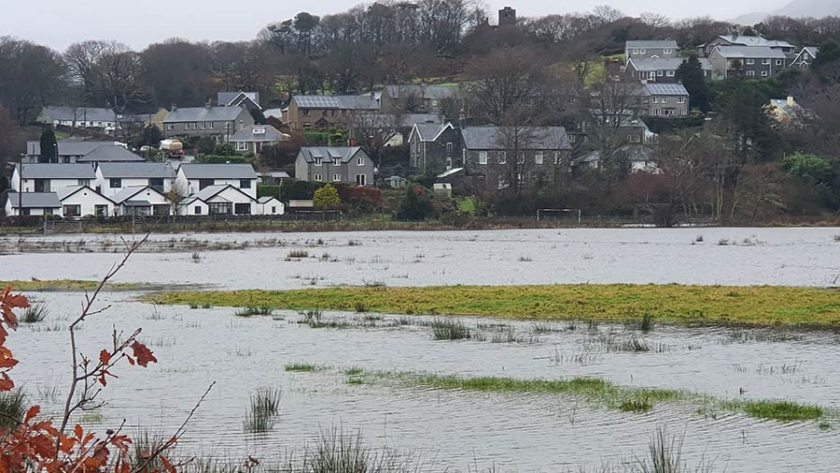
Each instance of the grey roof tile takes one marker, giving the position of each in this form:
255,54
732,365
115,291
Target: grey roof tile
330,153
110,153
218,171
750,52
35,200
203,114
252,134
58,171
652,44
89,114
136,170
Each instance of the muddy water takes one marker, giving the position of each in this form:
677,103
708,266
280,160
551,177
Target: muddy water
447,428
726,256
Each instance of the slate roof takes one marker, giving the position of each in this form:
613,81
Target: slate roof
411,119
266,199
227,98
433,92
338,102
494,138
69,191
755,41
652,44
664,64
430,131
110,153
35,200
58,171
211,191
666,89
250,134
89,114
127,193
218,171
68,147
749,52
203,114
136,170
343,154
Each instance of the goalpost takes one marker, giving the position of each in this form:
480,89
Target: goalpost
542,214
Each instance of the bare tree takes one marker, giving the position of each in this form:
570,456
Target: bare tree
373,131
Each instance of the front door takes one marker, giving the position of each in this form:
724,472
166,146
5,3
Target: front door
361,179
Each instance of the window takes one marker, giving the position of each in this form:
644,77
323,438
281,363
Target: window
538,158
680,99
244,183
317,177
502,182
667,51
360,161
306,112
763,73
242,209
361,179
170,127
449,147
220,208
766,61
482,157
72,210
212,125
642,51
319,162
660,73
156,183
273,209
197,210
655,99
66,159
750,61
116,183
83,182
100,210
779,62
635,51
750,73
25,212
558,159
520,158
241,146
664,99
202,125
503,157
670,73
336,177
202,183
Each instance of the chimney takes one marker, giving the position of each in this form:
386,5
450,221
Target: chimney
790,101
209,104
173,107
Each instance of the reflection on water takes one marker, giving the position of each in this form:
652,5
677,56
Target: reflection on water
516,432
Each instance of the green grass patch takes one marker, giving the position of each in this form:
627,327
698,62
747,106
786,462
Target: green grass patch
303,367
598,391
760,306
78,285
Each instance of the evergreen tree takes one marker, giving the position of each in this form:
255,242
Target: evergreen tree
690,73
326,198
415,206
49,146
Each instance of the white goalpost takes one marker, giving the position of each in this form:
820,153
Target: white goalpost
543,214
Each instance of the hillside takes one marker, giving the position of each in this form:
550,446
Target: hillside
796,9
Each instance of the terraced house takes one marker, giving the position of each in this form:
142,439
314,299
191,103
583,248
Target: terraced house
219,123
340,165
664,48
747,62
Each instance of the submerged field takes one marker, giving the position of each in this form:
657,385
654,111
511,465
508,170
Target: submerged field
764,306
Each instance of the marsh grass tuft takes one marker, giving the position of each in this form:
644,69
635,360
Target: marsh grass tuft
783,411
13,406
303,367
646,324
265,405
636,405
251,311
450,329
35,313
360,307
297,254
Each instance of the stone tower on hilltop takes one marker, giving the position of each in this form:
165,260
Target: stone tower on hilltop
507,16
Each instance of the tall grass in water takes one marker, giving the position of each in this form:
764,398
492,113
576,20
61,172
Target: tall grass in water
12,408
450,329
142,449
344,452
265,404
35,313
665,456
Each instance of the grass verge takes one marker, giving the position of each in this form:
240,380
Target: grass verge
761,306
79,285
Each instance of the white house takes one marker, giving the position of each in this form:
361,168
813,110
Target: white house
141,201
83,201
268,205
43,177
33,203
193,178
220,200
112,178
79,117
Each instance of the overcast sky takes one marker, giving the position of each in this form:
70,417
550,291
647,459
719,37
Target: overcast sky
58,23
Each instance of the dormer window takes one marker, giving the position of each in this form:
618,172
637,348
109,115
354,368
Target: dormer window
319,162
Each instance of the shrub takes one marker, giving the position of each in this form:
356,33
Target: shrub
416,204
326,198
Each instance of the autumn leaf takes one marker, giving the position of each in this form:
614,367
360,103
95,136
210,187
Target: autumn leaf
6,383
31,414
104,357
143,355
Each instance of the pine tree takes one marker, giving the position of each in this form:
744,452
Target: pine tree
49,146
690,73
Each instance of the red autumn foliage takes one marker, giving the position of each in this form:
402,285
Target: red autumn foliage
38,445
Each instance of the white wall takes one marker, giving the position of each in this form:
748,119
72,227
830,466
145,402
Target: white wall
265,209
190,208
88,199
235,197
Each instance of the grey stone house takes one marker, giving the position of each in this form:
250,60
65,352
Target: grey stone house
805,57
340,165
662,70
496,158
434,148
219,123
747,62
664,100
249,100
665,48
747,41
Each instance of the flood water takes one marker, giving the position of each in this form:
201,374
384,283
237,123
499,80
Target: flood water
451,429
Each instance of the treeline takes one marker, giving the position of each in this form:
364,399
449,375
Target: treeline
349,52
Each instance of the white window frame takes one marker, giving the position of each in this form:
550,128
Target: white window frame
503,157
360,161
680,99
539,158
482,157
558,159
670,73
319,162
317,177
336,177
667,51
779,62
241,146
750,73
749,62
765,61
764,73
